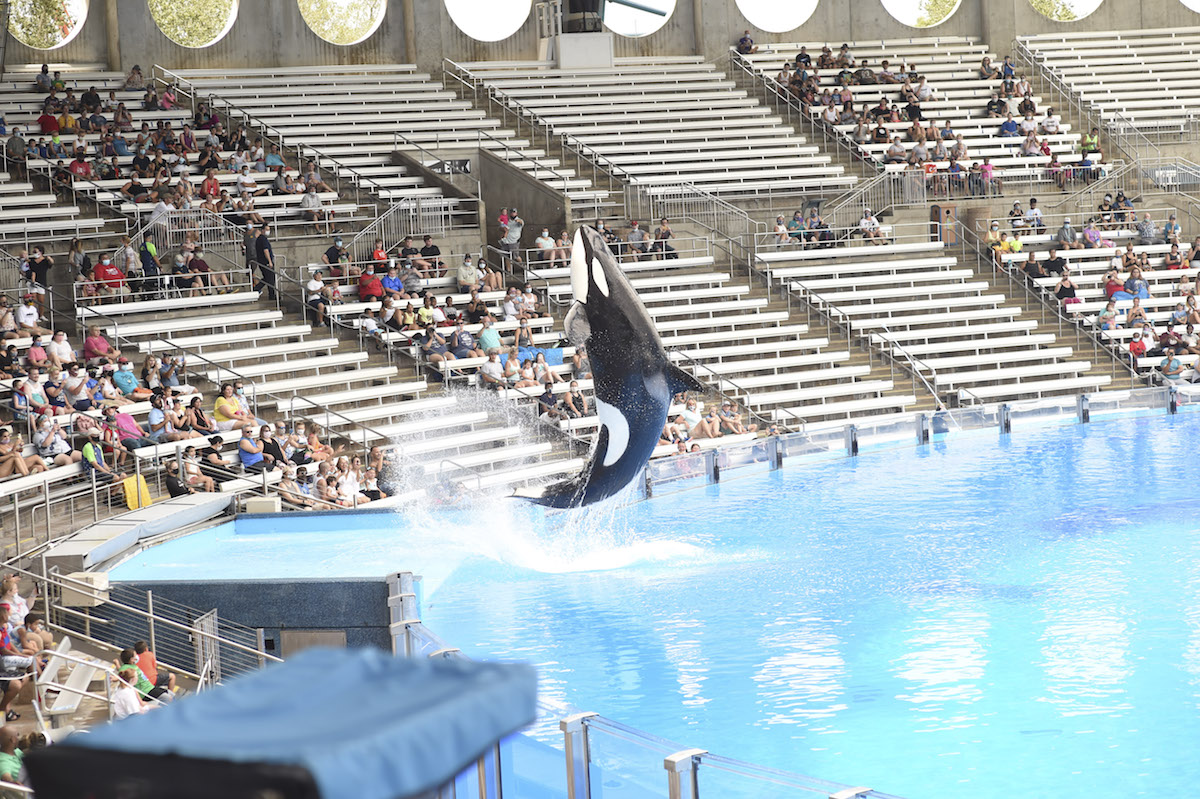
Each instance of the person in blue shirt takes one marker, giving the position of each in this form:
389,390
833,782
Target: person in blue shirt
274,159
1008,69
1171,367
393,284
1009,127
746,45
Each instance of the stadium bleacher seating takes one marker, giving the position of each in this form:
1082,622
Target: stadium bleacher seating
664,121
1146,76
960,95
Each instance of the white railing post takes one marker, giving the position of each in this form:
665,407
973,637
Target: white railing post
575,741
681,774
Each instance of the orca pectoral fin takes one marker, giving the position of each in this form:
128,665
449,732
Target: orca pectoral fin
576,325
679,380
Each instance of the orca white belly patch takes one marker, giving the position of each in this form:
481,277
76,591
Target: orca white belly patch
618,431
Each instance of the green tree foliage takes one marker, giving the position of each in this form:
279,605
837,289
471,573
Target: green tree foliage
192,23
1061,10
342,21
44,23
934,11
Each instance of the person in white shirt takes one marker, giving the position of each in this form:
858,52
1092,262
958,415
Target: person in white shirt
1033,217
545,243
924,90
247,183
491,374
310,209
59,352
1050,123
1028,125
126,702
869,227
27,318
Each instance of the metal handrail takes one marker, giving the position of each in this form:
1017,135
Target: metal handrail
914,363
716,389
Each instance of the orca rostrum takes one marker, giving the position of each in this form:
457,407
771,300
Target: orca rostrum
633,380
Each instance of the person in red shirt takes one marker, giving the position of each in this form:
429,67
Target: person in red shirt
370,287
48,122
379,255
1137,347
147,663
109,276
80,168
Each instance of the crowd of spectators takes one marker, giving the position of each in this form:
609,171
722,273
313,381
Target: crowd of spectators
932,146
89,138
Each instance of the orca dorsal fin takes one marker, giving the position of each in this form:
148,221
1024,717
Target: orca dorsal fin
679,380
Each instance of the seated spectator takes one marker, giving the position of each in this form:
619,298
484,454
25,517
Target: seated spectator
1136,316
547,250
125,699
434,347
12,461
1170,367
312,211
698,426
1092,237
431,254
731,420
176,487
1065,289
93,460
1034,220
896,154
1147,230
869,228
996,107
1067,238
638,241
370,287
1032,269
548,405
59,351
746,45
1174,259
51,443
251,453
462,344
1137,346
491,374
15,668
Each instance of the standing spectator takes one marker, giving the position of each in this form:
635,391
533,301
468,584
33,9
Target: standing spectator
265,257
511,242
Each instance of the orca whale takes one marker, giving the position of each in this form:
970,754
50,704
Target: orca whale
634,380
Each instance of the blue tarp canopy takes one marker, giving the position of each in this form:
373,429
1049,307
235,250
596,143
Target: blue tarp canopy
363,723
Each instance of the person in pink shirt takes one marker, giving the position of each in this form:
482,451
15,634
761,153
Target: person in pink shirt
97,350
122,433
990,181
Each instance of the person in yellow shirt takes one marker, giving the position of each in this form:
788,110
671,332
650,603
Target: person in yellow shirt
66,122
227,412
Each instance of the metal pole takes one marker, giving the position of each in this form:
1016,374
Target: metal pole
681,774
150,619
575,739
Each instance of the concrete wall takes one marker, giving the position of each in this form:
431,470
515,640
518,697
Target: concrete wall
272,33
505,186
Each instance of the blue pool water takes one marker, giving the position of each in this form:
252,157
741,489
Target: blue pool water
985,616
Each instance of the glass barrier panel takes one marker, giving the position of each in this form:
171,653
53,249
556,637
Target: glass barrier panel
734,779
1187,397
748,454
624,763
530,768
828,442
961,420
887,433
1049,410
1123,403
679,472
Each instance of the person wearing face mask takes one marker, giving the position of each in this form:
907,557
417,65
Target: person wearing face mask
108,277
311,210
127,383
59,351
40,265
247,183
370,287
546,248
468,277
75,386
462,343
639,241
337,258
52,444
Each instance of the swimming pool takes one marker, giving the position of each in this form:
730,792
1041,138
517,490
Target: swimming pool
1000,615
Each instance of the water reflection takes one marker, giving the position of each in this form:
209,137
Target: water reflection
804,676
944,662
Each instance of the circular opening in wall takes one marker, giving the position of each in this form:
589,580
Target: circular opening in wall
489,20
194,23
775,17
1065,10
1194,5
46,24
921,13
343,22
